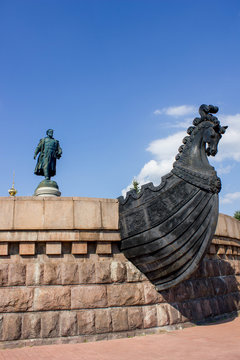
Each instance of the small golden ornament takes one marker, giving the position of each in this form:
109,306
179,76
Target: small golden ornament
12,191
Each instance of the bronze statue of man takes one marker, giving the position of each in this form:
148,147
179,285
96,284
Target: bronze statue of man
49,150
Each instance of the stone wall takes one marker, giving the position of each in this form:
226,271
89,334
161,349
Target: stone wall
63,278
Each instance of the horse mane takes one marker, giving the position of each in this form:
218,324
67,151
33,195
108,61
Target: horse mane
206,119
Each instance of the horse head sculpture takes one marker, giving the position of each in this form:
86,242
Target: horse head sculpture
202,141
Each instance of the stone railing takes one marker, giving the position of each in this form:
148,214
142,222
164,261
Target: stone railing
54,221
63,278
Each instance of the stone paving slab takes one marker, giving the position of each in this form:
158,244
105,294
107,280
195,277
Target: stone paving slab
208,342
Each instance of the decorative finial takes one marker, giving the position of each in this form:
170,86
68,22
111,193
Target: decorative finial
12,191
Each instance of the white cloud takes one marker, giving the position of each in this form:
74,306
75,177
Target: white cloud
230,198
177,111
164,151
166,148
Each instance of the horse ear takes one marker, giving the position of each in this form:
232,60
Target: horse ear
223,129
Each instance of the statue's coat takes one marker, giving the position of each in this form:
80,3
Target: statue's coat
49,150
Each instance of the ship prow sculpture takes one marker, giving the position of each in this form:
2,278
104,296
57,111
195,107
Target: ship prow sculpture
166,230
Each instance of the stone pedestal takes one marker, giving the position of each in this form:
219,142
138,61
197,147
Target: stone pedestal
47,188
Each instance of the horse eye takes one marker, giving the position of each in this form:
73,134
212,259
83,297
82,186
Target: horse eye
212,136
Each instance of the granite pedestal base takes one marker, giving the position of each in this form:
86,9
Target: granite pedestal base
47,188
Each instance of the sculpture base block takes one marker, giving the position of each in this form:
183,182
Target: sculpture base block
47,188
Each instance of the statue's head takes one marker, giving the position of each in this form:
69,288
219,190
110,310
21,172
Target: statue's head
49,133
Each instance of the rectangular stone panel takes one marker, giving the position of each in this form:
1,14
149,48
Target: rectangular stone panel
87,214
135,318
16,236
34,273
27,248
103,272
16,299
99,236
68,323
69,273
58,214
58,236
125,294
31,325
103,321
28,214
89,296
50,324
11,328
16,274
52,273
3,249
6,214
87,272
119,319
89,235
53,248
103,248
110,215
149,316
86,320
109,236
52,298
118,271
79,247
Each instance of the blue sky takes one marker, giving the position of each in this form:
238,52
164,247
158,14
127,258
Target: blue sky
96,71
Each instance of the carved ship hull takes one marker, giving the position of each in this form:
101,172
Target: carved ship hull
166,230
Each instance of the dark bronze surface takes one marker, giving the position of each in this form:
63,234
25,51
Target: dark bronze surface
49,151
166,230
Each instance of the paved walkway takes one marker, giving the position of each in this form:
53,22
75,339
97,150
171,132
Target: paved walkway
218,341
